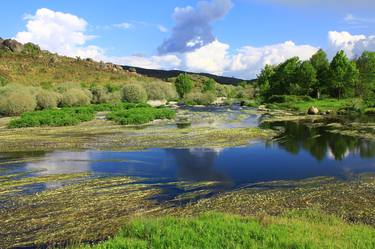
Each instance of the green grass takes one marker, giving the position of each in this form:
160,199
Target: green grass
307,230
55,117
141,115
117,106
322,104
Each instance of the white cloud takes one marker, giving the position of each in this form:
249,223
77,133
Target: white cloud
124,25
353,45
248,60
59,32
211,58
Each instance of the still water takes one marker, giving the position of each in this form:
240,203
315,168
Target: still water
298,152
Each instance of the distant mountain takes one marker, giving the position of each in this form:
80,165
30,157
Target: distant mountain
166,74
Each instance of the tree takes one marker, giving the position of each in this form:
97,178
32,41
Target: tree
183,85
285,79
321,64
134,93
343,74
264,79
366,66
307,78
209,85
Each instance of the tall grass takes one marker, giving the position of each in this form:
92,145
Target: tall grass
296,230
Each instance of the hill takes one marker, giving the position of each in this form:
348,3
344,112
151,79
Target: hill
166,74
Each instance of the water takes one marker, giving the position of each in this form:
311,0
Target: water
298,152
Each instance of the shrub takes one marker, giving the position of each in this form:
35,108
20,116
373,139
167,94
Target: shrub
100,95
62,117
154,91
209,85
198,98
47,99
15,103
117,106
75,97
288,98
140,115
134,93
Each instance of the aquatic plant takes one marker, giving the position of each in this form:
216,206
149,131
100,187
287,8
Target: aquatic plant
141,115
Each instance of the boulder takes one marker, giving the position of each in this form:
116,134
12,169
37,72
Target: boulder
13,45
313,110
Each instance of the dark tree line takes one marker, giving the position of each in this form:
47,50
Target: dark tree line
340,78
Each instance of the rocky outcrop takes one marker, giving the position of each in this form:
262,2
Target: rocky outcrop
13,45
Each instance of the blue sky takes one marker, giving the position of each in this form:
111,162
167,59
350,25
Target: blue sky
230,37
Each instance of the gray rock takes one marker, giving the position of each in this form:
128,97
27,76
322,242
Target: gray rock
313,110
13,45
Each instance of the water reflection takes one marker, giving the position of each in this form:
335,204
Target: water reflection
319,142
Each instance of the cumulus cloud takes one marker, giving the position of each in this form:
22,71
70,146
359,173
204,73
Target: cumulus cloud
59,32
353,45
193,26
248,60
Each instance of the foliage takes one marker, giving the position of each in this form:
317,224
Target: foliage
343,75
100,95
160,90
134,93
209,85
321,64
117,106
366,83
140,115
311,230
31,49
61,117
47,99
75,97
16,102
370,111
183,85
199,98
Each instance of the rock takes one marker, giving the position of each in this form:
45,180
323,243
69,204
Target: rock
329,112
313,111
13,45
156,103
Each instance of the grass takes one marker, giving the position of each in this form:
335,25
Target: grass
322,104
140,115
311,230
54,117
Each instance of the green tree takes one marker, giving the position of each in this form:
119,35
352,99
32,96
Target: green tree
264,79
366,66
321,64
307,78
343,75
209,85
183,85
285,80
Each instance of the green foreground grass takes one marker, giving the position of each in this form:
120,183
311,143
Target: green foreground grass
309,229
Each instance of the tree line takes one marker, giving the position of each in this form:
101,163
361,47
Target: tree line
317,77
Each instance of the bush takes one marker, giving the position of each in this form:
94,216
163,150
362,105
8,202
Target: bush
154,91
134,93
15,103
47,99
75,97
100,95
62,117
140,115
198,98
117,106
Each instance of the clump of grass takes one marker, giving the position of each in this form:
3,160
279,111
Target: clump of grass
62,117
141,115
215,230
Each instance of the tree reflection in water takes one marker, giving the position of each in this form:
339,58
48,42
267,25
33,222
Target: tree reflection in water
319,142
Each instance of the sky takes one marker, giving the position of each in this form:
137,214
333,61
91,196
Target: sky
225,37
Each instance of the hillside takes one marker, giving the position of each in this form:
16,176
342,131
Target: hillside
166,74
28,64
